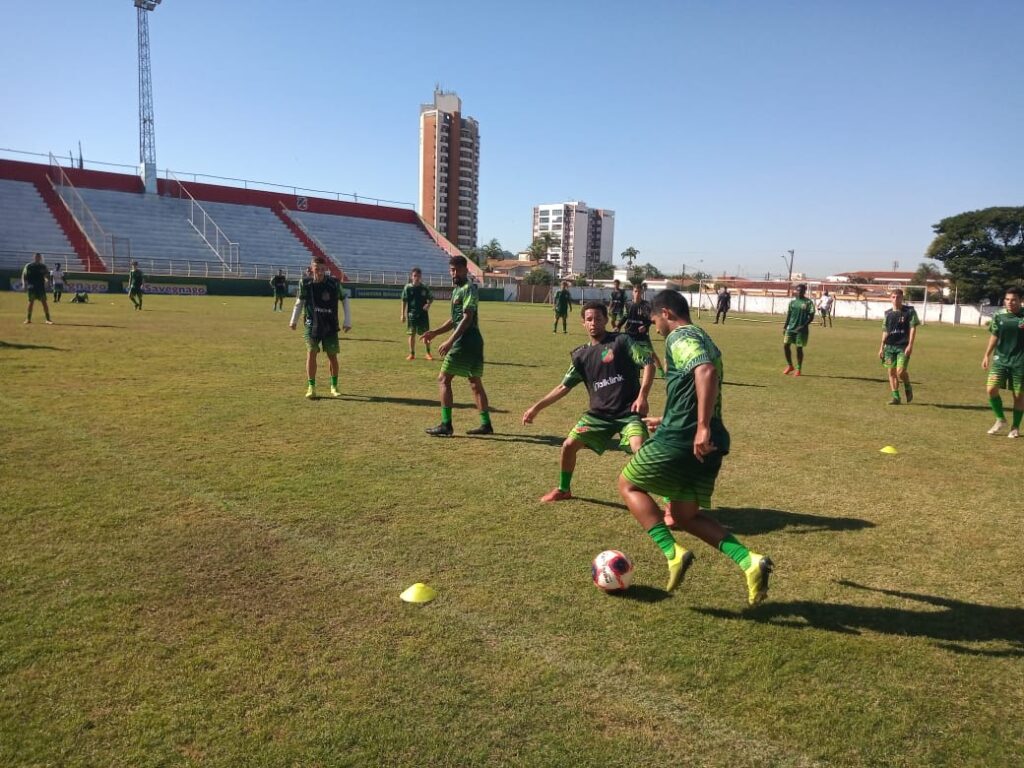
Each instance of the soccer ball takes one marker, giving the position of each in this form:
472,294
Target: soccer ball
612,571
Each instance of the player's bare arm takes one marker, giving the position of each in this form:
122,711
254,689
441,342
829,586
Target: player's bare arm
553,396
705,379
988,352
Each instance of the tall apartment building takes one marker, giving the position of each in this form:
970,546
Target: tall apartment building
586,235
449,168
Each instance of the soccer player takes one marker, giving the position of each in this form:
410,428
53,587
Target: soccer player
34,277
617,306
682,460
416,301
723,304
318,300
562,301
463,351
825,308
798,322
638,324
610,367
1006,367
135,281
280,285
900,330
57,283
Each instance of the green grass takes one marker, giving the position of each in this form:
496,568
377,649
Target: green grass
199,567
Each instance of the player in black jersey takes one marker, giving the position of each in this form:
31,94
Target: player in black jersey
638,324
610,367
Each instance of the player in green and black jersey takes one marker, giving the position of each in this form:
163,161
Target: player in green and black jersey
319,296
1006,366
416,301
463,351
638,324
797,328
135,281
900,326
609,366
279,283
34,277
682,460
617,306
562,301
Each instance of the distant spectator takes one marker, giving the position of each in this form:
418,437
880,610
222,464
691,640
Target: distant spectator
724,302
825,308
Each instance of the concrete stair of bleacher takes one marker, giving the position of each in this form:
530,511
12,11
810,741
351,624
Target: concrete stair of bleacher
28,226
157,226
374,245
263,239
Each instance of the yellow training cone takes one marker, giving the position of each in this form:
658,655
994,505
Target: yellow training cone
889,449
419,593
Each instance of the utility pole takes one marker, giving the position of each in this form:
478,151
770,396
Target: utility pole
789,266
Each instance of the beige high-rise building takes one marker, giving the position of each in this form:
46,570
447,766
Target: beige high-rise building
585,236
449,169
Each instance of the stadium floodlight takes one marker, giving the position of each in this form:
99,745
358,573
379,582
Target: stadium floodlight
789,265
147,131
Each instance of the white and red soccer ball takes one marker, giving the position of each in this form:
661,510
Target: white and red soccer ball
612,571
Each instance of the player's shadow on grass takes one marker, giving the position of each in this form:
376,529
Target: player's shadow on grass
417,401
870,379
516,365
533,439
955,622
343,337
738,384
11,345
641,594
958,406
751,521
89,325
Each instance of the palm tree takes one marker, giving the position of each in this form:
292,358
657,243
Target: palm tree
629,256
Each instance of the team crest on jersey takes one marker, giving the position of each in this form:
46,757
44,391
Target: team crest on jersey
607,356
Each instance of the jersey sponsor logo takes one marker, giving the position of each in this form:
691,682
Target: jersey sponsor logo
608,381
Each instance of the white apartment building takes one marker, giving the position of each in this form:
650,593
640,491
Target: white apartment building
585,235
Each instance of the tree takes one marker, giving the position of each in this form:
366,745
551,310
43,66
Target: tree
929,276
636,275
538,276
542,244
492,250
982,250
651,272
604,271
580,281
629,256
475,255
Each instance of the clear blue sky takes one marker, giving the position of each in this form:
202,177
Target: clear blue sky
722,133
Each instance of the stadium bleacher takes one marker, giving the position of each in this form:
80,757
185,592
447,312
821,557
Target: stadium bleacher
27,226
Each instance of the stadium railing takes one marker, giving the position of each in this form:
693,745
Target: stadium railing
225,248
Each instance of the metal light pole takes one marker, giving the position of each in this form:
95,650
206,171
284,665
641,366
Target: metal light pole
789,266
147,134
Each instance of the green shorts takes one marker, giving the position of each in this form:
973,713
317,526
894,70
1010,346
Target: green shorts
1009,377
595,432
36,294
564,313
672,471
466,357
280,293
417,325
331,345
134,291
895,357
795,337
618,318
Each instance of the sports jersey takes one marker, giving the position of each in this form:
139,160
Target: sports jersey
34,276
617,302
799,314
465,297
898,323
280,283
609,369
320,306
638,320
724,300
1008,329
135,280
562,301
686,348
415,297
57,277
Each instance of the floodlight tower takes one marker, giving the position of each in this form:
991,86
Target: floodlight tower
147,135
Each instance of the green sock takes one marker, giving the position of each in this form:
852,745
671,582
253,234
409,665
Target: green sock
485,418
895,394
735,551
662,536
446,415
312,382
1017,416
334,381
564,480
997,407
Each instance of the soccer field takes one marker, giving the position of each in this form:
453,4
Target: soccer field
200,567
